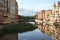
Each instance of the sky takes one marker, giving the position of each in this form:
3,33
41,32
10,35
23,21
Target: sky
36,5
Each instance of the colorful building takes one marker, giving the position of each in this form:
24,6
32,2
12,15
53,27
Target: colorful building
50,17
6,14
11,7
56,12
16,12
1,11
45,16
8,11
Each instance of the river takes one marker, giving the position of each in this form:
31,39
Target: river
33,35
29,35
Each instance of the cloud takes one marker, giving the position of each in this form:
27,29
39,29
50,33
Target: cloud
42,6
58,0
26,12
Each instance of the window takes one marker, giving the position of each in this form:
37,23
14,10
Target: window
5,18
1,8
1,4
12,18
1,0
5,10
1,13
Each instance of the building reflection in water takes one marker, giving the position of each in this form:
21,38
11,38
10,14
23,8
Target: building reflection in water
13,36
52,30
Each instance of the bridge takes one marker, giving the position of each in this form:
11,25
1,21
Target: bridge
26,20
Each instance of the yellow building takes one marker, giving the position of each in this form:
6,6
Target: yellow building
6,14
45,16
49,16
10,11
7,19
56,12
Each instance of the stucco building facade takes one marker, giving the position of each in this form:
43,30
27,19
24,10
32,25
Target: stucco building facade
56,11
50,16
8,11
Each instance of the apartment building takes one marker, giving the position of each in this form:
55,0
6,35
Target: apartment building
49,16
6,14
16,12
45,16
59,9
38,19
56,11
1,11
11,7
8,11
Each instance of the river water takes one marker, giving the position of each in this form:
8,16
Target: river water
33,35
29,35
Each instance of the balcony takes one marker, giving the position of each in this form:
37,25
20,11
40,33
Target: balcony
5,15
6,21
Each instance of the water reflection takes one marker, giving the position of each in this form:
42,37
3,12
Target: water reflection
52,30
30,35
13,36
31,23
33,35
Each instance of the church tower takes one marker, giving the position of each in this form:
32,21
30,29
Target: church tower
54,10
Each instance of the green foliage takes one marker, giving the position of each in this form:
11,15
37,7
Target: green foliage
20,27
26,17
